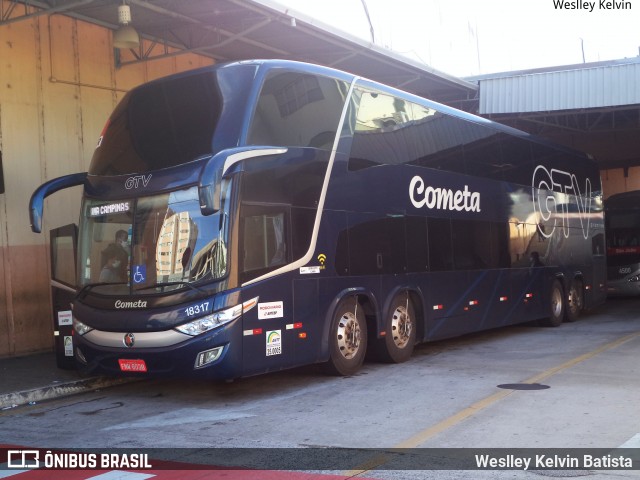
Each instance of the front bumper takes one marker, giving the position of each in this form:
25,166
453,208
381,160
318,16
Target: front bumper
623,287
177,360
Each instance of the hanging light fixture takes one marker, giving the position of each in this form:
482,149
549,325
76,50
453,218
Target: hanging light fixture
125,36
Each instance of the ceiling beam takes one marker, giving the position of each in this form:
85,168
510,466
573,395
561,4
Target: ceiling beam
42,9
206,49
205,26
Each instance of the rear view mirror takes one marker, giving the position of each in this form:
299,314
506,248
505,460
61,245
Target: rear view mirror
209,188
36,204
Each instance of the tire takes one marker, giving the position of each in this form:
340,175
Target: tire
347,339
397,345
575,301
556,305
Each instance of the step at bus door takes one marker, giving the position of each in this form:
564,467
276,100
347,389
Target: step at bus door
63,290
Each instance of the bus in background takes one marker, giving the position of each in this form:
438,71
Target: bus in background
622,221
280,214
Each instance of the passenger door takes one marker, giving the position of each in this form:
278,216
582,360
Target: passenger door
63,290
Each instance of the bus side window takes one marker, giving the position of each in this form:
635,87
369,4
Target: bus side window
517,160
479,244
440,244
264,240
372,246
382,133
298,110
597,245
417,244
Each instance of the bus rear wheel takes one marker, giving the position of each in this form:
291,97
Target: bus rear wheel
347,339
397,345
575,301
556,304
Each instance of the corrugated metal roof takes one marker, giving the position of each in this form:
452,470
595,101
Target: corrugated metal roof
598,85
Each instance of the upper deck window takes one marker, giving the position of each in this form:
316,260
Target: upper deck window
159,125
297,109
294,96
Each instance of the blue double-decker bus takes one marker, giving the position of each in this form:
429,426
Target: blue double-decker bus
260,215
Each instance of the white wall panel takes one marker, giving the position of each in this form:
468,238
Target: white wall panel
58,85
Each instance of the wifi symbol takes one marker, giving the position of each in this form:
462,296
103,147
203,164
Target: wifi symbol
322,258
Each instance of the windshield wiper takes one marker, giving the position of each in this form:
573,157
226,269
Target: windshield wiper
89,286
169,284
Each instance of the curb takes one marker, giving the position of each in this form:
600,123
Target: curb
16,399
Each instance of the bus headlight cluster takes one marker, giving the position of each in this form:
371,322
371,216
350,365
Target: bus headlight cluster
635,278
216,319
210,322
80,328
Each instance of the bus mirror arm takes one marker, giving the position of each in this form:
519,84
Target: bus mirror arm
209,186
36,203
222,165
209,198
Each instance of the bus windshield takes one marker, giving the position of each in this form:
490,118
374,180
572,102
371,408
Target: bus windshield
623,237
159,125
150,244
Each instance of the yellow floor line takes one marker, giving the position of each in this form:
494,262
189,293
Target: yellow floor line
428,433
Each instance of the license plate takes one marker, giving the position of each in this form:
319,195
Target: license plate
127,365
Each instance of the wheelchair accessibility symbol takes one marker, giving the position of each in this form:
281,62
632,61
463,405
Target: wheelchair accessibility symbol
139,273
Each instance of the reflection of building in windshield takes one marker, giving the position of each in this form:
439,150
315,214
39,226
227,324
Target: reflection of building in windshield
175,242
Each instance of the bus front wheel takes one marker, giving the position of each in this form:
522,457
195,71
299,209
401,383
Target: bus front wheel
397,345
347,339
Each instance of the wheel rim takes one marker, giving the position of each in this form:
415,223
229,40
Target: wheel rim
348,335
575,300
556,303
401,327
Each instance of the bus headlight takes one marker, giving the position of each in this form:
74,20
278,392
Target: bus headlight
216,319
635,278
80,328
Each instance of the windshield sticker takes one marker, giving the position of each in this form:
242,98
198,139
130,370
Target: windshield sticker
274,342
270,310
68,346
65,318
120,207
139,273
